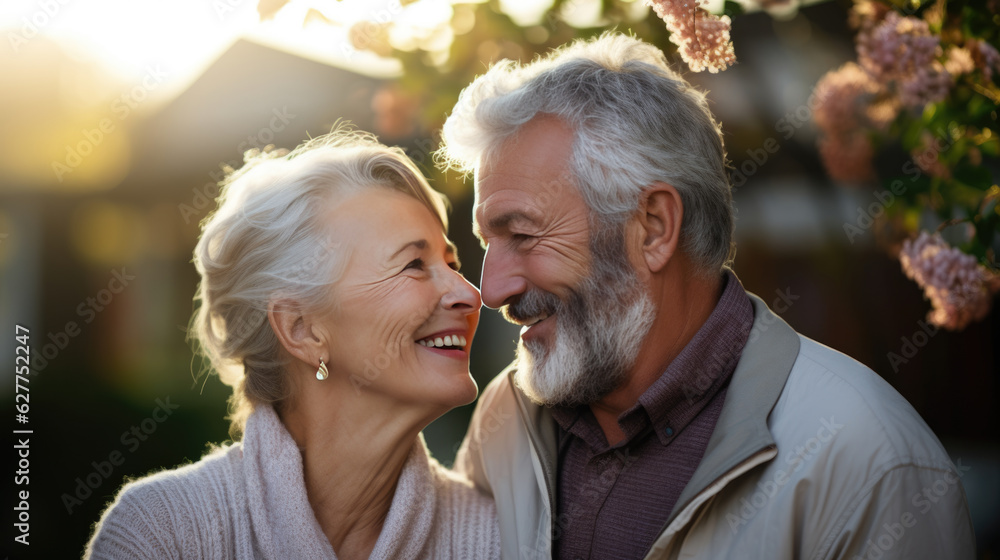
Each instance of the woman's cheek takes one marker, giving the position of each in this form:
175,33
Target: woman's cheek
473,320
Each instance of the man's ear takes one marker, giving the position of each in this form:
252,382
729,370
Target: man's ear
661,213
298,333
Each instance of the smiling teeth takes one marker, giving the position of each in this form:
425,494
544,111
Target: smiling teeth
441,342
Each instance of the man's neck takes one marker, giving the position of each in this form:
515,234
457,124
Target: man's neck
683,305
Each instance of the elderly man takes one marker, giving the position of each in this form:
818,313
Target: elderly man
656,409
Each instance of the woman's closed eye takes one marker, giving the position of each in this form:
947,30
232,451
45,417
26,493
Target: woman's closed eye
418,264
415,264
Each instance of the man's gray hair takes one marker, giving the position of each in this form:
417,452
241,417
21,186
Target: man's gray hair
636,122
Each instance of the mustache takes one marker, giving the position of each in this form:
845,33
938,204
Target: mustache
531,304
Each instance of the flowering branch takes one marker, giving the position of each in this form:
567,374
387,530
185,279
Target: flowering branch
702,38
924,80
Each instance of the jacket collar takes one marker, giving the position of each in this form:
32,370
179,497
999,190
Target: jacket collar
541,428
760,376
741,431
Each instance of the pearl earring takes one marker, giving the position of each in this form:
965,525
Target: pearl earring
322,373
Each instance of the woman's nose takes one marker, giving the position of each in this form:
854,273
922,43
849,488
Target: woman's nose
461,294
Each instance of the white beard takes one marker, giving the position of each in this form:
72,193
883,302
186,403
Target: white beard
593,349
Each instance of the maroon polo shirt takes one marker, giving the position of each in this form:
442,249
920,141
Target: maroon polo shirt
613,501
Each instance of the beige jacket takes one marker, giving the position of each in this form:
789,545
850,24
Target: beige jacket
814,456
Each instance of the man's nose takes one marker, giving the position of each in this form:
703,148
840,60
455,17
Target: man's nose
502,279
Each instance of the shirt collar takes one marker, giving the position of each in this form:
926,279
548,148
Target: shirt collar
700,371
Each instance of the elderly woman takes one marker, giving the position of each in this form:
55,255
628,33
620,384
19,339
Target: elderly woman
331,301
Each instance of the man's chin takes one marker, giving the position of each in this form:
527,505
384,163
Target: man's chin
525,378
562,393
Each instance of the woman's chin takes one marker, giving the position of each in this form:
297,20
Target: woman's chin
464,391
472,391
455,392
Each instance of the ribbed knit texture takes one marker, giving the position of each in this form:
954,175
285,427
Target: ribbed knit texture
248,500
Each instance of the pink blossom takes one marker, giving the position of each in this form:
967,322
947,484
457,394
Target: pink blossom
926,85
903,50
897,46
959,61
842,96
881,113
848,157
702,38
986,57
959,288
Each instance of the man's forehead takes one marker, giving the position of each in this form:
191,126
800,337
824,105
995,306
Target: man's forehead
504,198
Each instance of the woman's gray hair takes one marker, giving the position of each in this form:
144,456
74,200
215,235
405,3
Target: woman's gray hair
267,240
636,122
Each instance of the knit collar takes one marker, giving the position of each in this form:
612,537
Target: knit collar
282,519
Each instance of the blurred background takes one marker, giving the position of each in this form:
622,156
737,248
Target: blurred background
117,119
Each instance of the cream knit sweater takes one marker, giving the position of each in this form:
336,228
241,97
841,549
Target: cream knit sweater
248,500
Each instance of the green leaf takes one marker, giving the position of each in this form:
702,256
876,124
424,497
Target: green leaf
975,176
991,147
732,9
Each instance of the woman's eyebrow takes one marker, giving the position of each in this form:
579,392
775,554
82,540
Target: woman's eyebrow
419,244
450,249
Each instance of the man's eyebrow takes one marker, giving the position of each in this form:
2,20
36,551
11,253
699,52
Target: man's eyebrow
503,220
